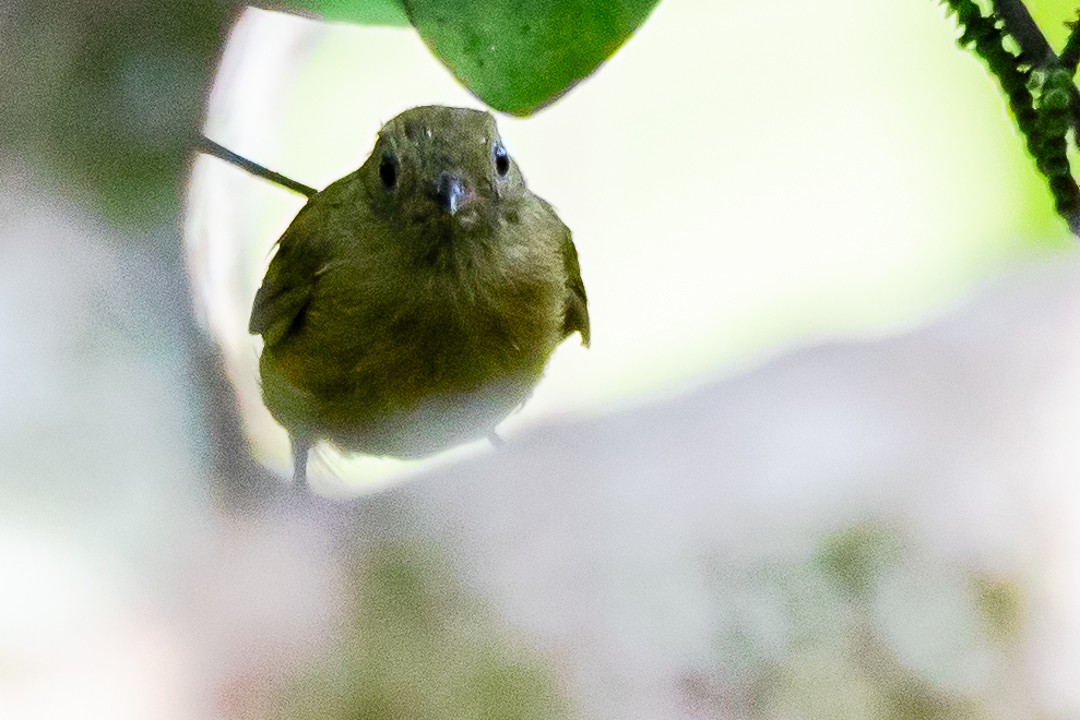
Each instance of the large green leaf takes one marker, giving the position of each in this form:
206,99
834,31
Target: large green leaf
519,55
516,55
361,12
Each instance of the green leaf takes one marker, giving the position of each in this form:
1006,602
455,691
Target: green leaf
360,12
515,55
520,55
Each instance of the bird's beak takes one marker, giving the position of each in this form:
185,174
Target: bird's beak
450,192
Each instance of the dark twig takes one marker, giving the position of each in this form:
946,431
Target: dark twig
1070,56
210,147
1020,24
1057,108
1035,48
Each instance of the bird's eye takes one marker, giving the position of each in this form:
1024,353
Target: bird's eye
502,160
388,170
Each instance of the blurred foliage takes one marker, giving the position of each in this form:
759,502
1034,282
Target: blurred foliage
419,648
853,559
1001,606
515,56
109,96
839,636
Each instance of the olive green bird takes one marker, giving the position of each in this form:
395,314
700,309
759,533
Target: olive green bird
414,303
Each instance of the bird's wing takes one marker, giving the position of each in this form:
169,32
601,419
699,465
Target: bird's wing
577,305
286,290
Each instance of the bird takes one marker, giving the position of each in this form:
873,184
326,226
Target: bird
413,304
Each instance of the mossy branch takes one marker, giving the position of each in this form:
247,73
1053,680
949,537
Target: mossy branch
1039,87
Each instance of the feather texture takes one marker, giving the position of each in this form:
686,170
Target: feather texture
398,320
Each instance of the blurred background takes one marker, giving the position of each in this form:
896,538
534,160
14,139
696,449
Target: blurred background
818,462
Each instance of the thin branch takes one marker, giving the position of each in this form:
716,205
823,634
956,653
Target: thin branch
210,147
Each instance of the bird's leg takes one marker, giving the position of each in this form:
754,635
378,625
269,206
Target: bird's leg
495,440
300,447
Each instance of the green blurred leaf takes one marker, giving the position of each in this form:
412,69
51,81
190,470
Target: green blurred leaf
1001,604
419,646
855,557
520,55
109,102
